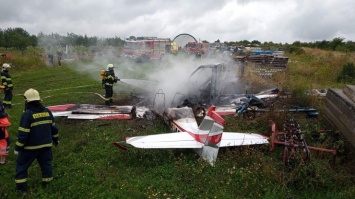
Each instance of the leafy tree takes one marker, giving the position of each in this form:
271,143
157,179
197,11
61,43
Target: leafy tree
270,43
255,42
244,42
114,42
33,41
322,44
350,46
1,37
336,42
17,38
296,43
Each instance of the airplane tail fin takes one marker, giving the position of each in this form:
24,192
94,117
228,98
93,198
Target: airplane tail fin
210,131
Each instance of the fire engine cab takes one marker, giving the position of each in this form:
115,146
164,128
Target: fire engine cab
194,48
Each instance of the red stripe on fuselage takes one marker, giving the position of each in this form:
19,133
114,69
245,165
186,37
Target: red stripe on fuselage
215,139
197,137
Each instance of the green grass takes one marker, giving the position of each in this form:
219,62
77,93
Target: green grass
87,165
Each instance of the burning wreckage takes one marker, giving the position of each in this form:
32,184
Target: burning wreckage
210,86
217,84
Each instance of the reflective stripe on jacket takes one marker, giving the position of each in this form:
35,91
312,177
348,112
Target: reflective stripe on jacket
6,79
37,129
110,78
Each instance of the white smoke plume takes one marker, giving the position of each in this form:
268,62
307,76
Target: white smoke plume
170,76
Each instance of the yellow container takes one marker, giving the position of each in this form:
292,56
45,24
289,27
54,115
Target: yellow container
102,74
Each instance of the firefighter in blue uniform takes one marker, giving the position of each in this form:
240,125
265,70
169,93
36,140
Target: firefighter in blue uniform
37,133
7,83
108,82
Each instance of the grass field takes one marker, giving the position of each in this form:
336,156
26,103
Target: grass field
87,165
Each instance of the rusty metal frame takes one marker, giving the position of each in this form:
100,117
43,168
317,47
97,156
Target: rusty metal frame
274,140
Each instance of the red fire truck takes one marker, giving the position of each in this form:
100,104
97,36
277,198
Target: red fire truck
146,48
195,48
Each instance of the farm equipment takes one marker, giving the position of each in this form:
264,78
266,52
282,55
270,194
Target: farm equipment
295,146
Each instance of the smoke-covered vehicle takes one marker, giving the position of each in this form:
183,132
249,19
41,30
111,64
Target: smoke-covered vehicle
210,84
214,83
145,49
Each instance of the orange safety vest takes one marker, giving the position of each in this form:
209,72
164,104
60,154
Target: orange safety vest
4,123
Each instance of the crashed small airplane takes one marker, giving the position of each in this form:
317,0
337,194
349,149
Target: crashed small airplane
206,139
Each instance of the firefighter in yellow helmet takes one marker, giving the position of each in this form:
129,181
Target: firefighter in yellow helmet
7,83
108,82
37,133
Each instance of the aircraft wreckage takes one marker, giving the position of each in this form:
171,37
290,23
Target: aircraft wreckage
211,84
206,138
213,91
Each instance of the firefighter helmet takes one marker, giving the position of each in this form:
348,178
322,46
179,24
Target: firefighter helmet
6,66
110,67
31,95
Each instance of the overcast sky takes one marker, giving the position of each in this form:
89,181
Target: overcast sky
226,20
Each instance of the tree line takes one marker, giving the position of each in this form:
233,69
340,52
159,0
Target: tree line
337,44
19,38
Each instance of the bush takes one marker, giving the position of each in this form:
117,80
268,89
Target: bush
347,74
295,50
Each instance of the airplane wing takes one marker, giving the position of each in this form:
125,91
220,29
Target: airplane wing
100,117
93,112
167,141
61,113
239,139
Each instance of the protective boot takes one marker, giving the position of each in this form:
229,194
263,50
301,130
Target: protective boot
22,187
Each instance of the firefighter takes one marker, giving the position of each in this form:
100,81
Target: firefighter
7,83
51,58
108,82
59,56
37,133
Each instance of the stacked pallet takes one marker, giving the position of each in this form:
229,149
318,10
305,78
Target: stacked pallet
340,110
270,60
